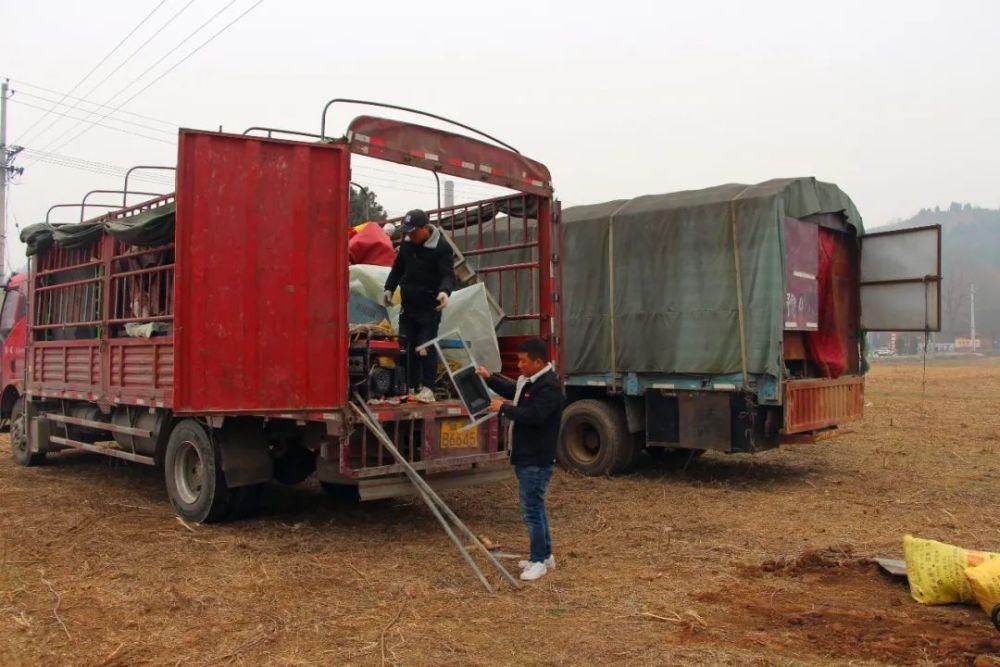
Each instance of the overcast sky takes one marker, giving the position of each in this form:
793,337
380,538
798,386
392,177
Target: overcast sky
897,102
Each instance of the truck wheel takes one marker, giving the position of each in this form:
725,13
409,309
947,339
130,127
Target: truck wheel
594,439
19,447
193,470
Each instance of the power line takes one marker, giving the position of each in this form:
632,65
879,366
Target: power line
102,168
108,127
116,119
168,71
23,92
115,174
115,71
95,67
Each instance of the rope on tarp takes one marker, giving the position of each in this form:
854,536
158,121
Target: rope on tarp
611,290
739,287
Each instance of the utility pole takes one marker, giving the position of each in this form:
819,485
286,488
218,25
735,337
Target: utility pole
7,154
3,178
972,305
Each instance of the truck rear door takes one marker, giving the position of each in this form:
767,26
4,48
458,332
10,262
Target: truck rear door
261,279
901,280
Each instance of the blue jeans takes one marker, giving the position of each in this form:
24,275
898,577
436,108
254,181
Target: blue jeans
532,482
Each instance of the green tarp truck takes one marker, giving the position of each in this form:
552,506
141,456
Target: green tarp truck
729,318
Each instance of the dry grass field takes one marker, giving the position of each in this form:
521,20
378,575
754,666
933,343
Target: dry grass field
735,560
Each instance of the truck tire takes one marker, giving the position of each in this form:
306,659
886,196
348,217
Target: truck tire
196,485
19,446
594,439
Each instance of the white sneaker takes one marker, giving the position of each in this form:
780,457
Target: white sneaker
425,395
534,571
550,563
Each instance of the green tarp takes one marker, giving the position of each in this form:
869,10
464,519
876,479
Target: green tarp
149,228
649,284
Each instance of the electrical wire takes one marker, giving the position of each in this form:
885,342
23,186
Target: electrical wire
115,118
105,126
142,46
22,82
94,68
161,76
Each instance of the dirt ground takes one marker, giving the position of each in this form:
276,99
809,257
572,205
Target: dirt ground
736,560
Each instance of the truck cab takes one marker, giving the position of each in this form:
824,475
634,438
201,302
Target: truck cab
13,329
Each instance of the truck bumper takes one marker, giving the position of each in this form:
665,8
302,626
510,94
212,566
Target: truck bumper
818,404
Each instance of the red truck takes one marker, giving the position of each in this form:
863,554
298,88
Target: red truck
13,329
206,331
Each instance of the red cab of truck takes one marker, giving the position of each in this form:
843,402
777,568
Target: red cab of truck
13,329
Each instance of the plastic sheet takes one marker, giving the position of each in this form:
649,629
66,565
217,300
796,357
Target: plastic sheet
468,310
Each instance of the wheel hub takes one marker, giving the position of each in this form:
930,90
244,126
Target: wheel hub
188,473
18,437
585,443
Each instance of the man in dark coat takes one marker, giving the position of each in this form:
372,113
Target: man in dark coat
534,405
425,273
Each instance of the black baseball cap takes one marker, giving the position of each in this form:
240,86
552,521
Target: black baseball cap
413,219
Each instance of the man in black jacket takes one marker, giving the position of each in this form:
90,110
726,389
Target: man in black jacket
424,270
534,404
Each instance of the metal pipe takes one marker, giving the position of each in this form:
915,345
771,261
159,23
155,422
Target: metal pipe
365,191
430,495
144,166
376,429
55,206
438,179
83,203
383,105
270,130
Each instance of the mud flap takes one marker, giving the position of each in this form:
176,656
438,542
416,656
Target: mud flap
245,456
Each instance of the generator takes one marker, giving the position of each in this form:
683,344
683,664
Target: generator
376,367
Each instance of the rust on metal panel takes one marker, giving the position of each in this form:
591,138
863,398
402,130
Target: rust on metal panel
811,405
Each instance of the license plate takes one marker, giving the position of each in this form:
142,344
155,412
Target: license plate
453,437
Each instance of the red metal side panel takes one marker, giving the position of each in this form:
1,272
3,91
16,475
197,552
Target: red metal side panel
66,366
815,404
141,369
261,281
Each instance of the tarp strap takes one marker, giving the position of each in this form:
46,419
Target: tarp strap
611,288
739,287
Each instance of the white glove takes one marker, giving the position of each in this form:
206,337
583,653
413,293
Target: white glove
442,301
387,298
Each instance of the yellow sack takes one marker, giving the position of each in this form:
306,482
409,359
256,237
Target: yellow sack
937,571
984,579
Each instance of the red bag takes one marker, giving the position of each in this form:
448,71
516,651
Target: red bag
371,245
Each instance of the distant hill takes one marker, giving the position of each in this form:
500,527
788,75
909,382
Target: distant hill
970,249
